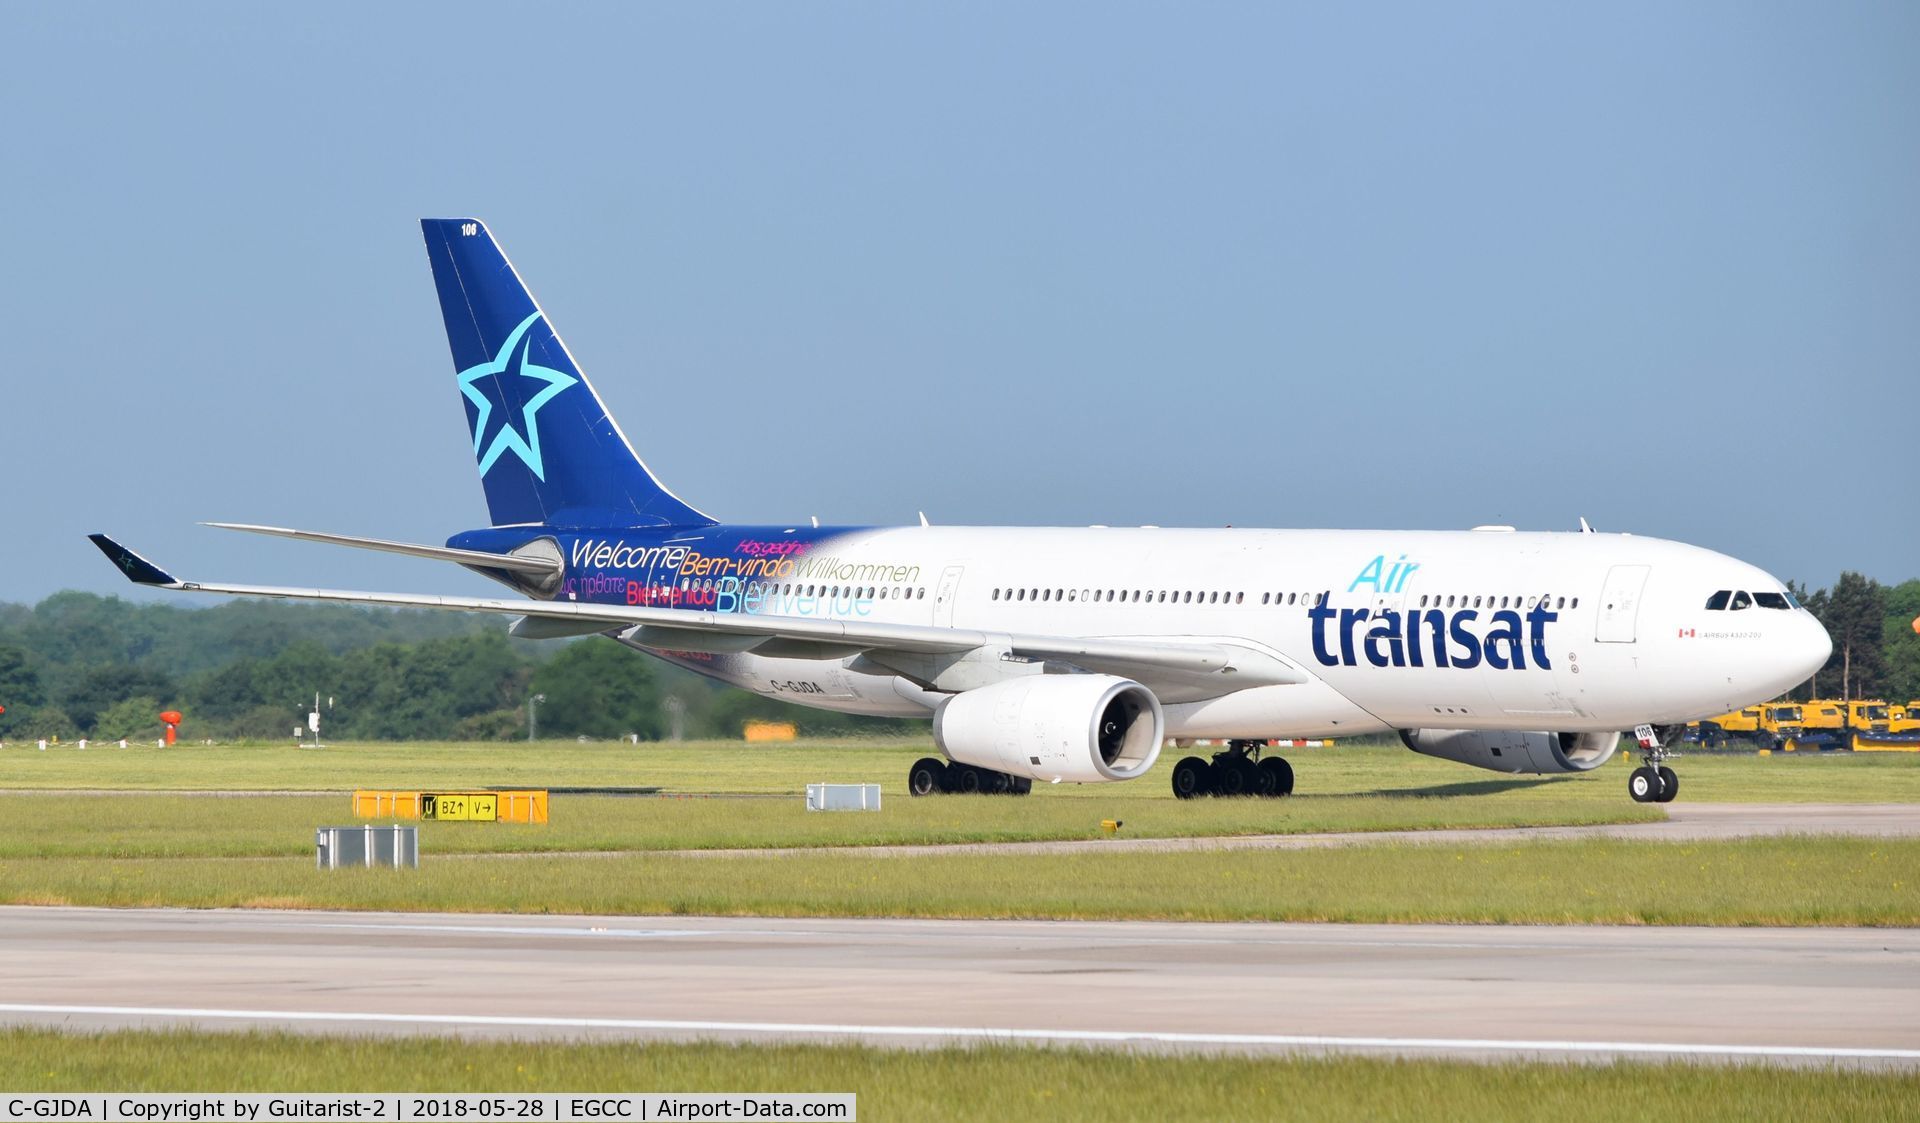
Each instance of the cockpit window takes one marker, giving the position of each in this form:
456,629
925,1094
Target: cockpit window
1771,600
1741,600
1718,601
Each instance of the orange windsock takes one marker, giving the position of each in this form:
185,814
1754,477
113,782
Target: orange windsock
171,717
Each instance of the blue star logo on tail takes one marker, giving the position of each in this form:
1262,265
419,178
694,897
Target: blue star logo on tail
511,362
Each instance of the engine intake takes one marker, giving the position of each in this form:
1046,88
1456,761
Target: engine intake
1084,729
1503,750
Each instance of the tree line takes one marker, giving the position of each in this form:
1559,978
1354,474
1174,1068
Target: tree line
77,664
1876,651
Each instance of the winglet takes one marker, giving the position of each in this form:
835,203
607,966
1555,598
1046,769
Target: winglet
138,569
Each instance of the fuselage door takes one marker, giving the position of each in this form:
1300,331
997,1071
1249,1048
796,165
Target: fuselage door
1620,603
944,595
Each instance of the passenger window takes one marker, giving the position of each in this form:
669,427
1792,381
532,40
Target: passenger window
1718,601
1741,600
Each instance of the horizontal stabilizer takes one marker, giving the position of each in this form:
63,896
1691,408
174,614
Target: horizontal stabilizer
538,566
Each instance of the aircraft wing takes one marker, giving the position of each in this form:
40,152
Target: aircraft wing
534,566
1174,670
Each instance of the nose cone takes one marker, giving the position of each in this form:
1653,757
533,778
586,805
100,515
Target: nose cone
1811,649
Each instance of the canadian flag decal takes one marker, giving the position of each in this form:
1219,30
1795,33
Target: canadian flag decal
1687,633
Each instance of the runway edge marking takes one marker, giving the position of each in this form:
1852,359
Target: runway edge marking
1112,1037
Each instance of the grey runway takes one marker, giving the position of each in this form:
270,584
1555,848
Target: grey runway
1820,995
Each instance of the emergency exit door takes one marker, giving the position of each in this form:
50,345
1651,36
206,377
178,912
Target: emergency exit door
943,596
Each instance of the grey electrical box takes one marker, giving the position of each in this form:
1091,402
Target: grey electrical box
343,847
843,797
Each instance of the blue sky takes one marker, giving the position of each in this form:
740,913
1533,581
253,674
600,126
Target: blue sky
1329,265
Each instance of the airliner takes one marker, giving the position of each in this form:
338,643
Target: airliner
1074,654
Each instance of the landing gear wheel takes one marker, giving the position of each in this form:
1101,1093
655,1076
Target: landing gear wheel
927,776
1669,785
1276,777
965,779
1022,785
1265,783
1232,777
995,783
1644,785
1190,778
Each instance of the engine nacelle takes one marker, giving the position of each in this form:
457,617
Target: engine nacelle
1505,751
1078,728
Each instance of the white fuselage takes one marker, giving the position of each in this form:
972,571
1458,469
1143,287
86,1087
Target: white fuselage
1490,629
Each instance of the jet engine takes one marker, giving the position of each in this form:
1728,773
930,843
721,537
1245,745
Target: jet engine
1078,728
1506,751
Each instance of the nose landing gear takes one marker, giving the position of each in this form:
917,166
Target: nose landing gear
1653,781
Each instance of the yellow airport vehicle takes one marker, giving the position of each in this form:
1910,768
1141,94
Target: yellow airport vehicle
1773,725
1904,719
1823,714
1782,719
1868,716
1736,725
1866,724
453,807
1743,720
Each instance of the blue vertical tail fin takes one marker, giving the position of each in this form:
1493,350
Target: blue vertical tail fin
548,450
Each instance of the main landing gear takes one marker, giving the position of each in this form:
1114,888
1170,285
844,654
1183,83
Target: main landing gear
933,776
1653,781
1237,771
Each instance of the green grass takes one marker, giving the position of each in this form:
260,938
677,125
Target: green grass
1772,881
1350,768
936,1085
132,826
